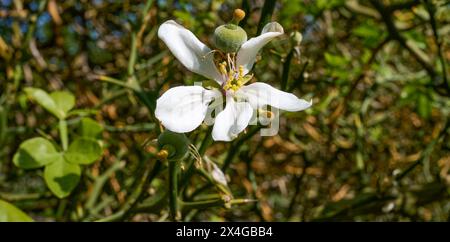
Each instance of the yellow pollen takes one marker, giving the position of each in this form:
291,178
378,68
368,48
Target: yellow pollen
223,68
241,71
162,154
233,82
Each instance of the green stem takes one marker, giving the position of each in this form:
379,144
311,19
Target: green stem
173,189
100,182
202,204
217,202
114,217
141,127
431,12
286,68
116,82
299,80
233,151
133,54
426,153
63,133
235,148
137,195
207,140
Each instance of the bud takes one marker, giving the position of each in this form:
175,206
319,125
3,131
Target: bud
238,15
229,37
175,144
296,38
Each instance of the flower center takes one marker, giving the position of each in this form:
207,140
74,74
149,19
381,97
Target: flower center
234,77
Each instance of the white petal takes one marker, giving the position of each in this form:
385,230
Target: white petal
232,120
189,50
247,53
182,109
260,94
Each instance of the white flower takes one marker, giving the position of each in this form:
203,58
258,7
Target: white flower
182,109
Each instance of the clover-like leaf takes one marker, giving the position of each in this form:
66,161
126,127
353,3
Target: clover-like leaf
10,213
90,128
83,151
62,177
64,101
34,153
58,103
45,100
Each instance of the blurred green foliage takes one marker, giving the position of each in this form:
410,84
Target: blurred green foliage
374,146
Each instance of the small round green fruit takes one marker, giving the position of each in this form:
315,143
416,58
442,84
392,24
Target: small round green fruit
177,144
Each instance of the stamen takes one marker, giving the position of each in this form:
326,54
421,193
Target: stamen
223,68
229,61
233,60
212,51
241,71
235,77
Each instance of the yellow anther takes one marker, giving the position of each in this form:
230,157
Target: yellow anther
230,74
245,79
223,68
230,79
162,155
241,71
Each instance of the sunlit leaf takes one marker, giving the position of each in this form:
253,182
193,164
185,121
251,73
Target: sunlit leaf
58,103
62,177
90,128
10,213
45,100
34,153
83,151
335,60
64,100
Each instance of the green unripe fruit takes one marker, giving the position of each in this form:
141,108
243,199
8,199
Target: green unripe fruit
176,144
229,38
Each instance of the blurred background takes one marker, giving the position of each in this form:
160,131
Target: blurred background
374,146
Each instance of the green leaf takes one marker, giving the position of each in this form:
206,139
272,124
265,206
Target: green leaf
64,101
45,100
34,153
367,29
62,177
424,106
83,151
10,213
335,60
58,103
82,112
90,128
